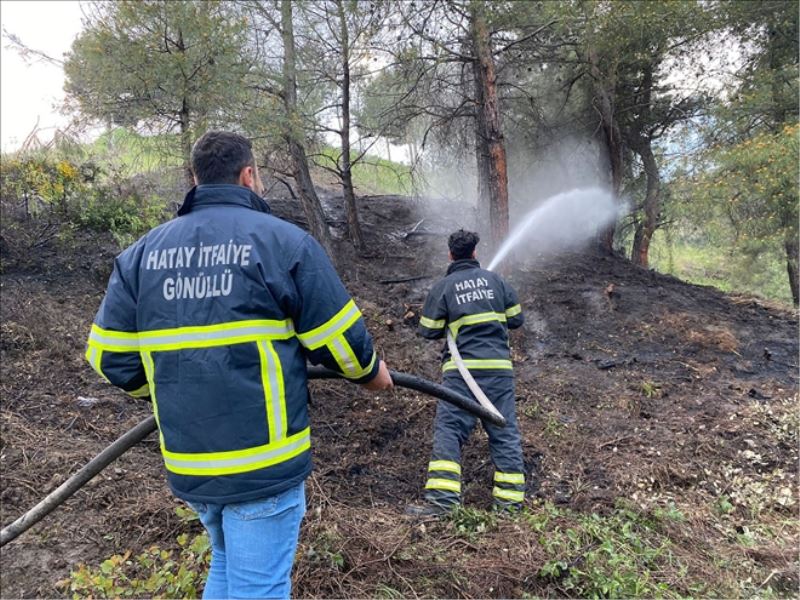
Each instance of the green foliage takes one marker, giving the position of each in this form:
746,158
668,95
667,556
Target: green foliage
384,591
723,505
164,65
131,154
670,513
735,217
601,556
326,550
380,176
756,183
651,389
553,427
78,193
154,573
371,174
471,522
703,253
41,181
127,216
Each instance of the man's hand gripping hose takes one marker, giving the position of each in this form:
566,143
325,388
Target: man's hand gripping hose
148,425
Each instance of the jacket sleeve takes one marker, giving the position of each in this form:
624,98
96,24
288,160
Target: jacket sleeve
434,314
514,316
113,347
327,321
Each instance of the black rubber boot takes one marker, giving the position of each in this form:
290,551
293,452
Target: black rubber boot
507,508
429,510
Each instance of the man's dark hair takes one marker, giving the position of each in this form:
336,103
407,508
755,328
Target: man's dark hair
220,156
462,244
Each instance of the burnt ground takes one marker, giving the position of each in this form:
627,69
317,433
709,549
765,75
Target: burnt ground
635,390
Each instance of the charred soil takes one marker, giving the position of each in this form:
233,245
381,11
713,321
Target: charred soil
639,397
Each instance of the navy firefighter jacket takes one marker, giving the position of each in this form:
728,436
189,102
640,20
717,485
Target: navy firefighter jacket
478,308
213,315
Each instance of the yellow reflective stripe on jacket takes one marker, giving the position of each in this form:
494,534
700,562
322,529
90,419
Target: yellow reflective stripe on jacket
479,363
476,319
431,324
335,326
274,395
510,495
150,372
513,311
142,392
451,485
444,465
95,358
346,358
238,461
203,336
513,478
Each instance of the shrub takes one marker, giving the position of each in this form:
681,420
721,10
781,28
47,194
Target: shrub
154,573
46,189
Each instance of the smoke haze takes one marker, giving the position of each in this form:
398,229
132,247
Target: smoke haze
558,198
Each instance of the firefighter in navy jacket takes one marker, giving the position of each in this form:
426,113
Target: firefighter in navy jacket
478,308
213,315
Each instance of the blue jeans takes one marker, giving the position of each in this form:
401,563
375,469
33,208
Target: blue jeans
253,545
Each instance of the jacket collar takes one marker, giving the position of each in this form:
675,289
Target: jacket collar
463,265
221,194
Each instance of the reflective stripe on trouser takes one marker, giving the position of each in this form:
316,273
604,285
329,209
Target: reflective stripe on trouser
453,426
509,488
444,482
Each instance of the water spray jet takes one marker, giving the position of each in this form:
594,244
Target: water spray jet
563,221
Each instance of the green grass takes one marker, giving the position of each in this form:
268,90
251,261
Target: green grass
134,153
372,175
722,266
631,552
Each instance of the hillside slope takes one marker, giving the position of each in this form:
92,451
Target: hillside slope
659,423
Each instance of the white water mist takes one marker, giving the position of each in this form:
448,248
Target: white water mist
562,222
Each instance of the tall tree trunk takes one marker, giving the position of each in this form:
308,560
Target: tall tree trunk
353,224
493,133
186,144
185,126
646,226
790,244
302,176
481,150
611,139
792,248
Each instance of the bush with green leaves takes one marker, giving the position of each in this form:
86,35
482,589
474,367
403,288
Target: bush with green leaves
126,215
71,193
154,573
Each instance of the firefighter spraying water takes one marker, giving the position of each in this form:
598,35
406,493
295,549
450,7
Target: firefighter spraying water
474,308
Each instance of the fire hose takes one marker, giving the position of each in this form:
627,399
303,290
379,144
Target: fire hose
148,425
473,386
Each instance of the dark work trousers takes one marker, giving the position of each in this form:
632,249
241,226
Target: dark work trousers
452,428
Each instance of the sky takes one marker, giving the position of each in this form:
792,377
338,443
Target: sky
33,91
